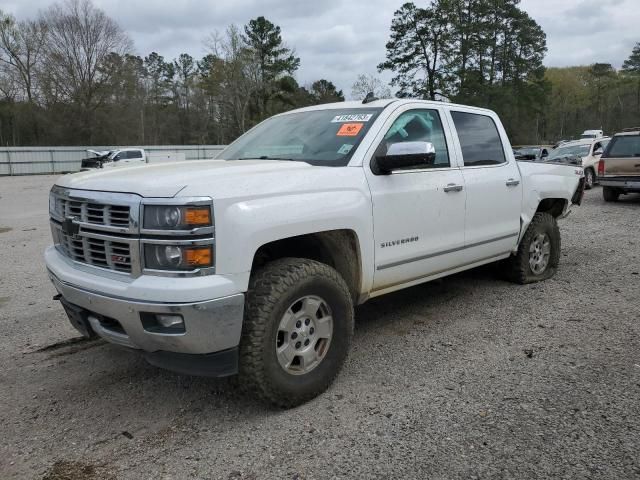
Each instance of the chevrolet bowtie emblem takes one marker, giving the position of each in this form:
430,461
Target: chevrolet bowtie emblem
70,227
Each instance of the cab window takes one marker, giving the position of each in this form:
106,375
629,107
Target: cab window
479,139
418,126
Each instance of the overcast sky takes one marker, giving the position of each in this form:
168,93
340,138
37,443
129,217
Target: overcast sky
340,39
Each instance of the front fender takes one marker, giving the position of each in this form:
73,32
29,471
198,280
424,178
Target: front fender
246,225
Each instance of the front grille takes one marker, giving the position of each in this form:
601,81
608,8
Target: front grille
94,213
99,252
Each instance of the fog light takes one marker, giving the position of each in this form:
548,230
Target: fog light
170,321
163,323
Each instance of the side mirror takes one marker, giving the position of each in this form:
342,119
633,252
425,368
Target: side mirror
404,155
544,154
598,151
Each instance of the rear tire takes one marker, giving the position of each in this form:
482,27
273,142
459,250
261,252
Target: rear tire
297,330
610,194
589,178
538,254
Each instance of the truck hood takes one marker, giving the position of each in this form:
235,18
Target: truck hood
192,178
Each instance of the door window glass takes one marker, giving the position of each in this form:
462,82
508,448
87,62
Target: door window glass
418,126
479,139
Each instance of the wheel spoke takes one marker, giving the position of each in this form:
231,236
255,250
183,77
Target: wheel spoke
310,307
286,354
307,358
288,322
546,248
324,327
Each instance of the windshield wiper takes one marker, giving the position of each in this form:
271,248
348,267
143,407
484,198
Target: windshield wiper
267,157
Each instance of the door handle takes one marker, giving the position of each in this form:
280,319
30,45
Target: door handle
512,182
452,187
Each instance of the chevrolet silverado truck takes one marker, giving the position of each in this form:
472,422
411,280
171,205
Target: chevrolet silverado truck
251,264
619,166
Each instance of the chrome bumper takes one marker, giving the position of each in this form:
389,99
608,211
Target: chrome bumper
210,326
622,183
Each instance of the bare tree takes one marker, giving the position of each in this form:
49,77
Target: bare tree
21,49
369,83
237,75
80,38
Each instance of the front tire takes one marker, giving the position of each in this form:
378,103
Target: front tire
297,330
538,254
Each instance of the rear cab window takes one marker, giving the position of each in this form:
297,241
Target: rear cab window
479,139
623,146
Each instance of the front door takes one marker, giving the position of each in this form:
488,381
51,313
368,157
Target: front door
418,214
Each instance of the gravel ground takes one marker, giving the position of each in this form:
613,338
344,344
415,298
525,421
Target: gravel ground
468,377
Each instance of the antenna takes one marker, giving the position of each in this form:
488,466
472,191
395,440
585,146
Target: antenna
369,98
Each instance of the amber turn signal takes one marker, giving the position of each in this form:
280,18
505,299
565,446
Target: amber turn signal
197,216
199,256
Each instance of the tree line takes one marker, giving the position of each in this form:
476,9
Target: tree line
70,77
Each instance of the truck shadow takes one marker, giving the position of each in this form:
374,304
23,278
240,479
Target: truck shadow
120,391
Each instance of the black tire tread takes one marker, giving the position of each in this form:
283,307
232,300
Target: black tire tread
518,269
266,286
610,194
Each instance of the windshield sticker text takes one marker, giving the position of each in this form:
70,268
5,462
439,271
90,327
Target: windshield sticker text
355,117
349,129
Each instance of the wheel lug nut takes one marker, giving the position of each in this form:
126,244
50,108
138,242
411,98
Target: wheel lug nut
311,330
298,324
298,345
307,321
306,342
294,335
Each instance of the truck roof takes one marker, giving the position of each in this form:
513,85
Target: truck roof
380,104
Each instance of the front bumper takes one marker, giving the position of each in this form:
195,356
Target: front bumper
210,326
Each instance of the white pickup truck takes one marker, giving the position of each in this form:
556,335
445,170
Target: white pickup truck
127,157
252,263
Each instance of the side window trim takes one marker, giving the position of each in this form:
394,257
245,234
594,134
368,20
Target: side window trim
508,155
446,130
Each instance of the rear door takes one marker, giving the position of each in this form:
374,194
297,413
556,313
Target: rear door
492,181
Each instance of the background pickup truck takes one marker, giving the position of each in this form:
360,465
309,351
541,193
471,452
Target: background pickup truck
252,263
619,166
123,157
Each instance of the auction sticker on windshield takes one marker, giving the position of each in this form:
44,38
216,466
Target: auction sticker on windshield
349,129
355,117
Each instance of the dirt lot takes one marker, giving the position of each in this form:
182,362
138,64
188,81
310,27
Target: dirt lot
469,377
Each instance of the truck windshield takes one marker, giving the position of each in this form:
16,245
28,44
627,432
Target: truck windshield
569,150
624,146
320,137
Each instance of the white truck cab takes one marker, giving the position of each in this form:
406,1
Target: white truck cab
592,134
251,264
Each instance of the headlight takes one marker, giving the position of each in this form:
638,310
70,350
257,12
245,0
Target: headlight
175,217
178,257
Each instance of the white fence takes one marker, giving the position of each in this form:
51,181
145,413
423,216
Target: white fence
36,160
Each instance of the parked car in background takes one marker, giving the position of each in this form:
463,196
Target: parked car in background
619,166
533,152
588,150
123,157
592,134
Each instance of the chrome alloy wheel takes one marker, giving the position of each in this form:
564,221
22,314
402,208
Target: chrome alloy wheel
539,253
304,335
